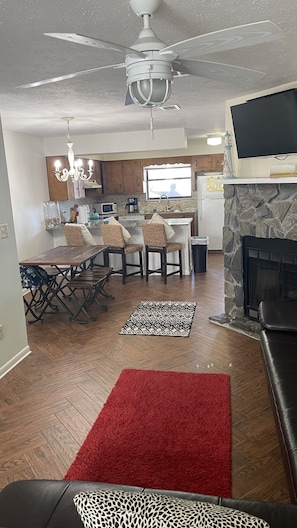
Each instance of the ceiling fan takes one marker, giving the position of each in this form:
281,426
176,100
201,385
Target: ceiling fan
151,65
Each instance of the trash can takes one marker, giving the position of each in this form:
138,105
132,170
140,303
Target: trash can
200,252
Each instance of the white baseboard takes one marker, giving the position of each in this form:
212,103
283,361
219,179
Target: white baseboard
14,361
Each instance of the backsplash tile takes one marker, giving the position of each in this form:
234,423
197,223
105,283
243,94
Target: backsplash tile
145,206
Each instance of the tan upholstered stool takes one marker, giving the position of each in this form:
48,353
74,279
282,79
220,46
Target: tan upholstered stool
79,235
114,239
155,241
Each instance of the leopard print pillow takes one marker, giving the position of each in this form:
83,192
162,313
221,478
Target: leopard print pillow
114,508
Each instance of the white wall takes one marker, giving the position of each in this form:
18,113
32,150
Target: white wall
120,142
28,188
14,345
23,189
124,146
255,167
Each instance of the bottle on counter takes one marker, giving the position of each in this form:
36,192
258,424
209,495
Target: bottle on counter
52,214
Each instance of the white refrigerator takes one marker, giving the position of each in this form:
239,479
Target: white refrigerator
210,193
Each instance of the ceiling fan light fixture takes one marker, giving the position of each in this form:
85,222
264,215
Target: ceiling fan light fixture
214,140
149,81
150,92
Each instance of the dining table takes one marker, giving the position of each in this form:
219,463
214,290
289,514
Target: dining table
66,260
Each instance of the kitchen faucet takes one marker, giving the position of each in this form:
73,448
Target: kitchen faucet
165,197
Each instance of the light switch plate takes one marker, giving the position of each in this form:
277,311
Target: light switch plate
3,230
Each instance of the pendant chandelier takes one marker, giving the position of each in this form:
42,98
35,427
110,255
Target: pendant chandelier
76,171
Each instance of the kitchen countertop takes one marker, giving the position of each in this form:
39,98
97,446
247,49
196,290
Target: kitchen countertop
171,221
136,222
182,233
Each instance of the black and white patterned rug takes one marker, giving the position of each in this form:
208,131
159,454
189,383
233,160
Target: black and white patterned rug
163,318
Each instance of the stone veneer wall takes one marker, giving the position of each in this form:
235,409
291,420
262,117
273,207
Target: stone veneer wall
260,210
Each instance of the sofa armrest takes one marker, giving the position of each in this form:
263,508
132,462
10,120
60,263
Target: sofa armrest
280,361
44,503
49,504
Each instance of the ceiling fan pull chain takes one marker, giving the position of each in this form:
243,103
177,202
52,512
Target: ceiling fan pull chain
152,124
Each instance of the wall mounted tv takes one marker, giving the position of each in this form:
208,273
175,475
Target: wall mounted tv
266,126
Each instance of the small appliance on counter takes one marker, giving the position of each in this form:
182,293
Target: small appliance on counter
105,208
132,205
52,214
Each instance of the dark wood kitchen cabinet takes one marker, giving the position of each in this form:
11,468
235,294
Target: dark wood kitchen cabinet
113,177
62,191
122,177
208,163
132,176
93,192
58,191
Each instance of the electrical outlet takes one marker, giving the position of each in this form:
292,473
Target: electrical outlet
1,332
3,230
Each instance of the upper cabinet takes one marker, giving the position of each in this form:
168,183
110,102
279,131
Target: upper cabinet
113,177
208,163
132,177
90,187
122,177
69,190
126,177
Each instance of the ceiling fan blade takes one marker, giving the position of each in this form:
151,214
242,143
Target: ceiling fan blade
217,71
226,39
69,76
96,43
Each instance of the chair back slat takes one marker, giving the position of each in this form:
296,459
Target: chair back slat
154,235
78,235
73,234
112,235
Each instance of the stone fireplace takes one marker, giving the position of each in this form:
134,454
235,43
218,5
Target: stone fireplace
258,210
261,210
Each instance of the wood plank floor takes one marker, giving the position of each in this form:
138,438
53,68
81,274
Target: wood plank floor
49,401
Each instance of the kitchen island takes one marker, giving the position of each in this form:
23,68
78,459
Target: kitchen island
181,226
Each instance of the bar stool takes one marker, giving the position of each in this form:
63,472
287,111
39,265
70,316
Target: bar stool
155,241
113,238
79,235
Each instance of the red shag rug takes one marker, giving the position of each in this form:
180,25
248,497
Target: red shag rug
162,430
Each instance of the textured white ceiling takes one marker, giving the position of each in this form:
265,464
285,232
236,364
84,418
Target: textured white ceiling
96,101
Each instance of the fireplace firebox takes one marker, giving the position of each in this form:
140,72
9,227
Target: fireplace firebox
269,271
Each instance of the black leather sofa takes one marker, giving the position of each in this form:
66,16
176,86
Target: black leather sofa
278,340
49,504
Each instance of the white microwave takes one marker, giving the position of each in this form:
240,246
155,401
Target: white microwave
105,208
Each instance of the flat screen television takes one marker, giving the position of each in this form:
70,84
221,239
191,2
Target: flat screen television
266,126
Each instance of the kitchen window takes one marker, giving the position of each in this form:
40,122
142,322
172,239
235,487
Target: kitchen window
172,181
